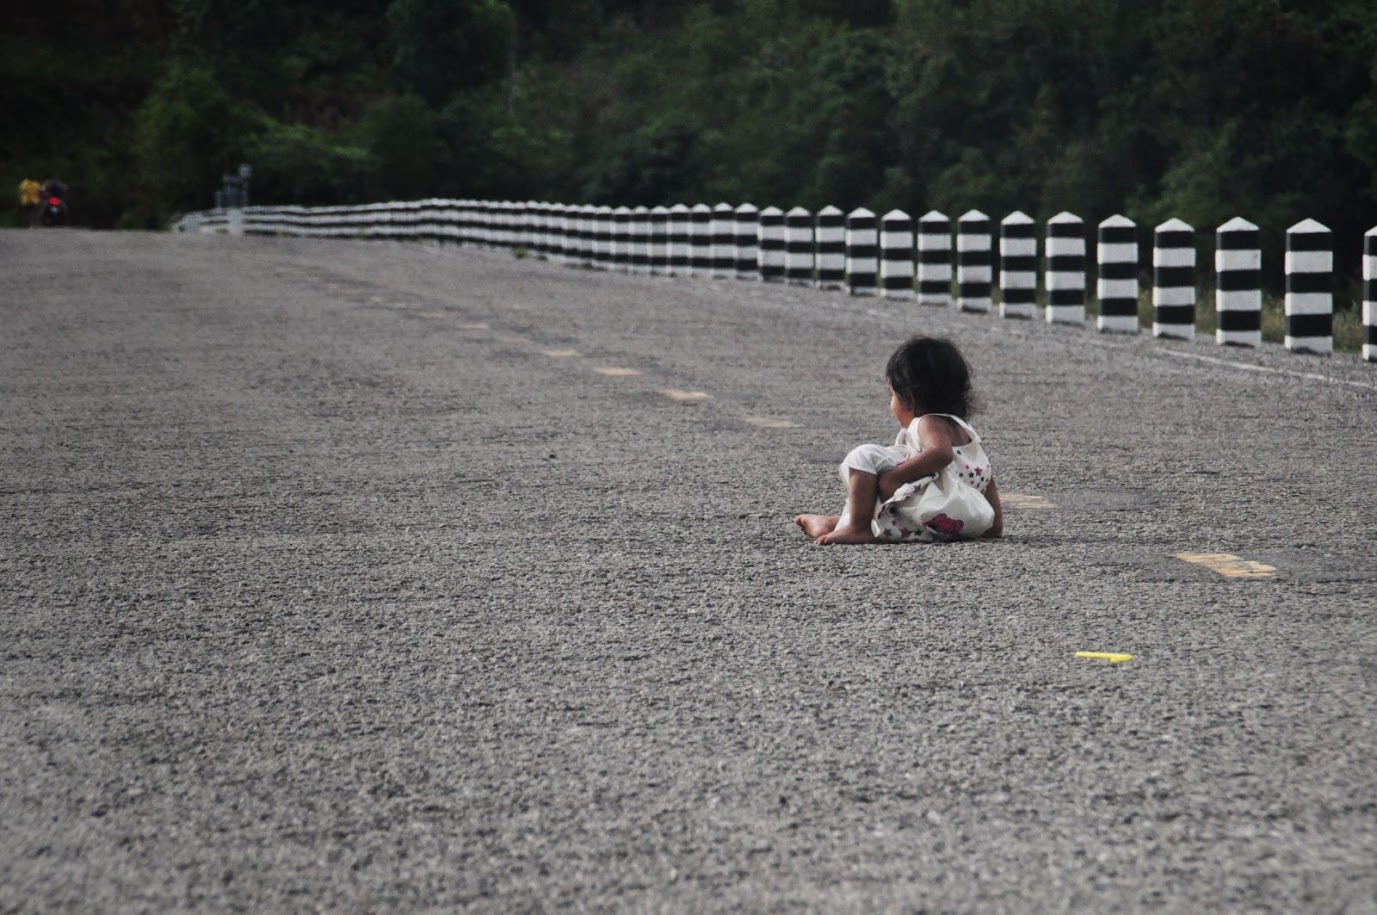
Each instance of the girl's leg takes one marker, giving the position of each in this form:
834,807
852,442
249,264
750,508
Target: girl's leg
860,509
817,525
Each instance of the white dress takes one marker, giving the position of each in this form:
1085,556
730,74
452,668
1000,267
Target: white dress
970,460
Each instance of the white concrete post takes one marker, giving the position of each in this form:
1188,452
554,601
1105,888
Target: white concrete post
679,240
771,238
896,255
798,246
700,240
1370,295
934,259
746,223
1018,266
974,263
830,248
659,240
1173,280
1065,269
1238,283
723,241
862,252
1117,285
1309,288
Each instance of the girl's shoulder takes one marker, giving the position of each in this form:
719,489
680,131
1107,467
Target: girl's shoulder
958,430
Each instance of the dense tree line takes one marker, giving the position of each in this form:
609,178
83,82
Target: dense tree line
1202,109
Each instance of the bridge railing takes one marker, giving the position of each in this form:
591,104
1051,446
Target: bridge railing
892,256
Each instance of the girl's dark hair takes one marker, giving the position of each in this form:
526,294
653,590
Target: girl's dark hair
930,375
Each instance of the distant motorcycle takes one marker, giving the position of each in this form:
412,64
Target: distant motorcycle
54,211
54,207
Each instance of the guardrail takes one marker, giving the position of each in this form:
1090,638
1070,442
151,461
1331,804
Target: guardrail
891,256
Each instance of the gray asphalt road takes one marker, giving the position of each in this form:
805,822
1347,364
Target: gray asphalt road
353,577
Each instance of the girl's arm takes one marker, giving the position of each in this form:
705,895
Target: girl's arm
935,440
992,496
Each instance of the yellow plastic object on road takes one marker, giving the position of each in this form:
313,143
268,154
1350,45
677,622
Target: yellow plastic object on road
1110,656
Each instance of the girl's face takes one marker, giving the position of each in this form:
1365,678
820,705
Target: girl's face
900,410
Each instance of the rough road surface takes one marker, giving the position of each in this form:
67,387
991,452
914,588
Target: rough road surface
354,577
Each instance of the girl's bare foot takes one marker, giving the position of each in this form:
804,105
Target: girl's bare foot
848,534
817,525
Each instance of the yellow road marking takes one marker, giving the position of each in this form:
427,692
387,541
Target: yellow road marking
676,394
765,422
1112,657
1228,565
560,353
1022,500
616,373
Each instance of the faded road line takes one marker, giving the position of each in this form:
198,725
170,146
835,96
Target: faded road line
1024,501
1228,565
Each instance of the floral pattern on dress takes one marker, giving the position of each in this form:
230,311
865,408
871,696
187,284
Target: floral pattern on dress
972,466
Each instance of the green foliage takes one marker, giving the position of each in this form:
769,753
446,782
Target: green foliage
405,154
189,132
1198,109
302,164
440,47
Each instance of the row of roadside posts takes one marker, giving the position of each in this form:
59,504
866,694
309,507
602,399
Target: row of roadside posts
897,257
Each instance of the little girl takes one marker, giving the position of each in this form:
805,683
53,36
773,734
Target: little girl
930,381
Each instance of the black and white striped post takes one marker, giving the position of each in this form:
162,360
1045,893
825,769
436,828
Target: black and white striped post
1173,280
591,234
640,239
1309,288
1065,269
588,233
549,231
482,224
700,240
746,223
559,229
534,228
605,229
830,245
974,262
571,235
1238,283
862,252
723,233
798,246
502,222
771,238
896,255
554,233
659,240
461,222
621,238
1117,284
521,216
934,259
679,240
1370,296
1018,266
